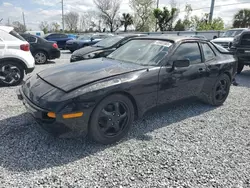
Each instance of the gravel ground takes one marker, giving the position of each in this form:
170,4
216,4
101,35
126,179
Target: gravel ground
189,145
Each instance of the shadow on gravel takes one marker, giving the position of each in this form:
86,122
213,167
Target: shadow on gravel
244,78
24,146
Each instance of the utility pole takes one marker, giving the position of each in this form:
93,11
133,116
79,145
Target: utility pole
157,6
62,16
211,11
24,20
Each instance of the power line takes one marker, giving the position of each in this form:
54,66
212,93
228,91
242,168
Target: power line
221,6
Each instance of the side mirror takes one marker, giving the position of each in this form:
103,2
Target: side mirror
91,38
181,63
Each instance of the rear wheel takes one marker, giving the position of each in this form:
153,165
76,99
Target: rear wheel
40,57
240,68
219,91
11,73
111,119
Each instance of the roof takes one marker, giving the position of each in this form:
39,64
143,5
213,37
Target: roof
130,35
173,38
6,28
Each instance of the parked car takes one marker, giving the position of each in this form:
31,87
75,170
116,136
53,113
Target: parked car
15,57
102,48
41,49
81,41
103,96
241,48
199,36
59,38
228,37
37,33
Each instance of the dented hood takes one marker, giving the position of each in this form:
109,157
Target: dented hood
71,76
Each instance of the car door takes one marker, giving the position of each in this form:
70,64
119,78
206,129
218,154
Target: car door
176,83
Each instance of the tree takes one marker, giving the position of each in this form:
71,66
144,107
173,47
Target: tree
18,27
126,21
242,18
44,26
202,23
187,22
143,19
164,18
109,10
55,26
71,20
179,26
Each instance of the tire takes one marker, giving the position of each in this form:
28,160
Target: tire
240,68
108,125
11,73
212,97
41,57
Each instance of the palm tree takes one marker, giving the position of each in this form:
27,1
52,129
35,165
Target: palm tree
126,20
242,18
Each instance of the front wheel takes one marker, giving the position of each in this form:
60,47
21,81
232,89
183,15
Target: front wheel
240,68
219,91
111,119
11,73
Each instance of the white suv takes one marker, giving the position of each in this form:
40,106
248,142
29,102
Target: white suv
15,57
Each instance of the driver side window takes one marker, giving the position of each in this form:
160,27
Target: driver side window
190,51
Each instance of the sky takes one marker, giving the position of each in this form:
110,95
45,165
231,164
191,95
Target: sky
36,11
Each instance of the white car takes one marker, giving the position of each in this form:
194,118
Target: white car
228,37
15,57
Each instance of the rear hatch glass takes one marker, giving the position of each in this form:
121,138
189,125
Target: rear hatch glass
15,34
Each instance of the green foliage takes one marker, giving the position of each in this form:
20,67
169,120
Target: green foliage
126,20
164,18
144,20
179,26
242,18
202,23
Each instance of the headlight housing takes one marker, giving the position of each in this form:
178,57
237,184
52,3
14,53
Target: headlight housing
93,54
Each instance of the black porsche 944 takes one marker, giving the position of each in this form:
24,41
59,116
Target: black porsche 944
103,96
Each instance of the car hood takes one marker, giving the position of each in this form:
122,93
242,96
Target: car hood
226,39
85,50
72,76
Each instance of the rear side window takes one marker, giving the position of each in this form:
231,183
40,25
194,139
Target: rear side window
188,50
208,52
32,39
16,35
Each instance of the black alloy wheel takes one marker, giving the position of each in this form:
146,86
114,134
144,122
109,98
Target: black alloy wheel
112,119
11,74
218,92
222,90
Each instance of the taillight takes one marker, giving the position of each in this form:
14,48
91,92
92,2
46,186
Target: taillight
55,45
25,47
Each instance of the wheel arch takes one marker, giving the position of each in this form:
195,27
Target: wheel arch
229,75
41,50
131,98
15,60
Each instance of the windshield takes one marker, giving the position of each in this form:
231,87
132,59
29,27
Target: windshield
142,52
232,33
108,42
